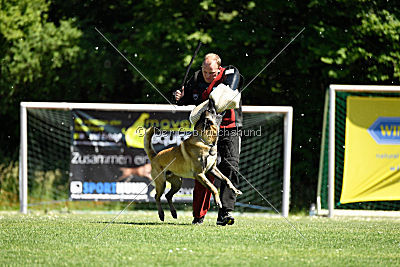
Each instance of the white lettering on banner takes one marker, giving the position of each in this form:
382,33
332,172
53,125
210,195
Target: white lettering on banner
185,191
77,158
171,138
116,137
109,196
140,160
131,188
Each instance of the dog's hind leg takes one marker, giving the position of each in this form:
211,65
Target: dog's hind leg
201,177
160,188
217,173
176,183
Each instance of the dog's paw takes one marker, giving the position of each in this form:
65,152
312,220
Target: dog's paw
219,204
161,216
238,192
174,215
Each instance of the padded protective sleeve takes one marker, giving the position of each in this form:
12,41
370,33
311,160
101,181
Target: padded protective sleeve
232,77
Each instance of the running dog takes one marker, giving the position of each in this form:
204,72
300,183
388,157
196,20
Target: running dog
193,158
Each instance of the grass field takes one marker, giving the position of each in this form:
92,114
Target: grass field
139,239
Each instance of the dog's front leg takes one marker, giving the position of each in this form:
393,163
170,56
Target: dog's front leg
217,173
201,177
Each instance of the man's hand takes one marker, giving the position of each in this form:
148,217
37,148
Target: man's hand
179,94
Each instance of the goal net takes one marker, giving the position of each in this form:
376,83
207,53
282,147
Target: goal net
78,151
359,153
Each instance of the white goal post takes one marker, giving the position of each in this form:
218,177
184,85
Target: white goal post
331,151
286,111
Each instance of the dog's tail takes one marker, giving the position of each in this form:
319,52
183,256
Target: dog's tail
147,143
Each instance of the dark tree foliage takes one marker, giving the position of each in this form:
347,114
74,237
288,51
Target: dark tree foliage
54,53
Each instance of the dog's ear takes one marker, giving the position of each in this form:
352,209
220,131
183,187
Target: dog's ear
201,120
211,106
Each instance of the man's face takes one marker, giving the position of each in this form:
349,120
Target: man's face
210,70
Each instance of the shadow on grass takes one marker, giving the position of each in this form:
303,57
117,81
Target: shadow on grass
147,223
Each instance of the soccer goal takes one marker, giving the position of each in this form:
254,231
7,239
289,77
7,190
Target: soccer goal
89,151
359,162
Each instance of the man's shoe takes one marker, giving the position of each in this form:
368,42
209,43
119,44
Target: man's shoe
225,218
198,220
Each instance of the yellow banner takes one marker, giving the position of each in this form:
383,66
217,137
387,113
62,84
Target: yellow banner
372,148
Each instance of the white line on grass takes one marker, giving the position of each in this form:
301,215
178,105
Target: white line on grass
108,224
294,227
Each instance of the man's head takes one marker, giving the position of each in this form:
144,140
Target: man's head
210,67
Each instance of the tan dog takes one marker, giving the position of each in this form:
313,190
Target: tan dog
193,158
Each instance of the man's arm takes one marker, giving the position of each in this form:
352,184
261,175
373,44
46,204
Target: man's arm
186,94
